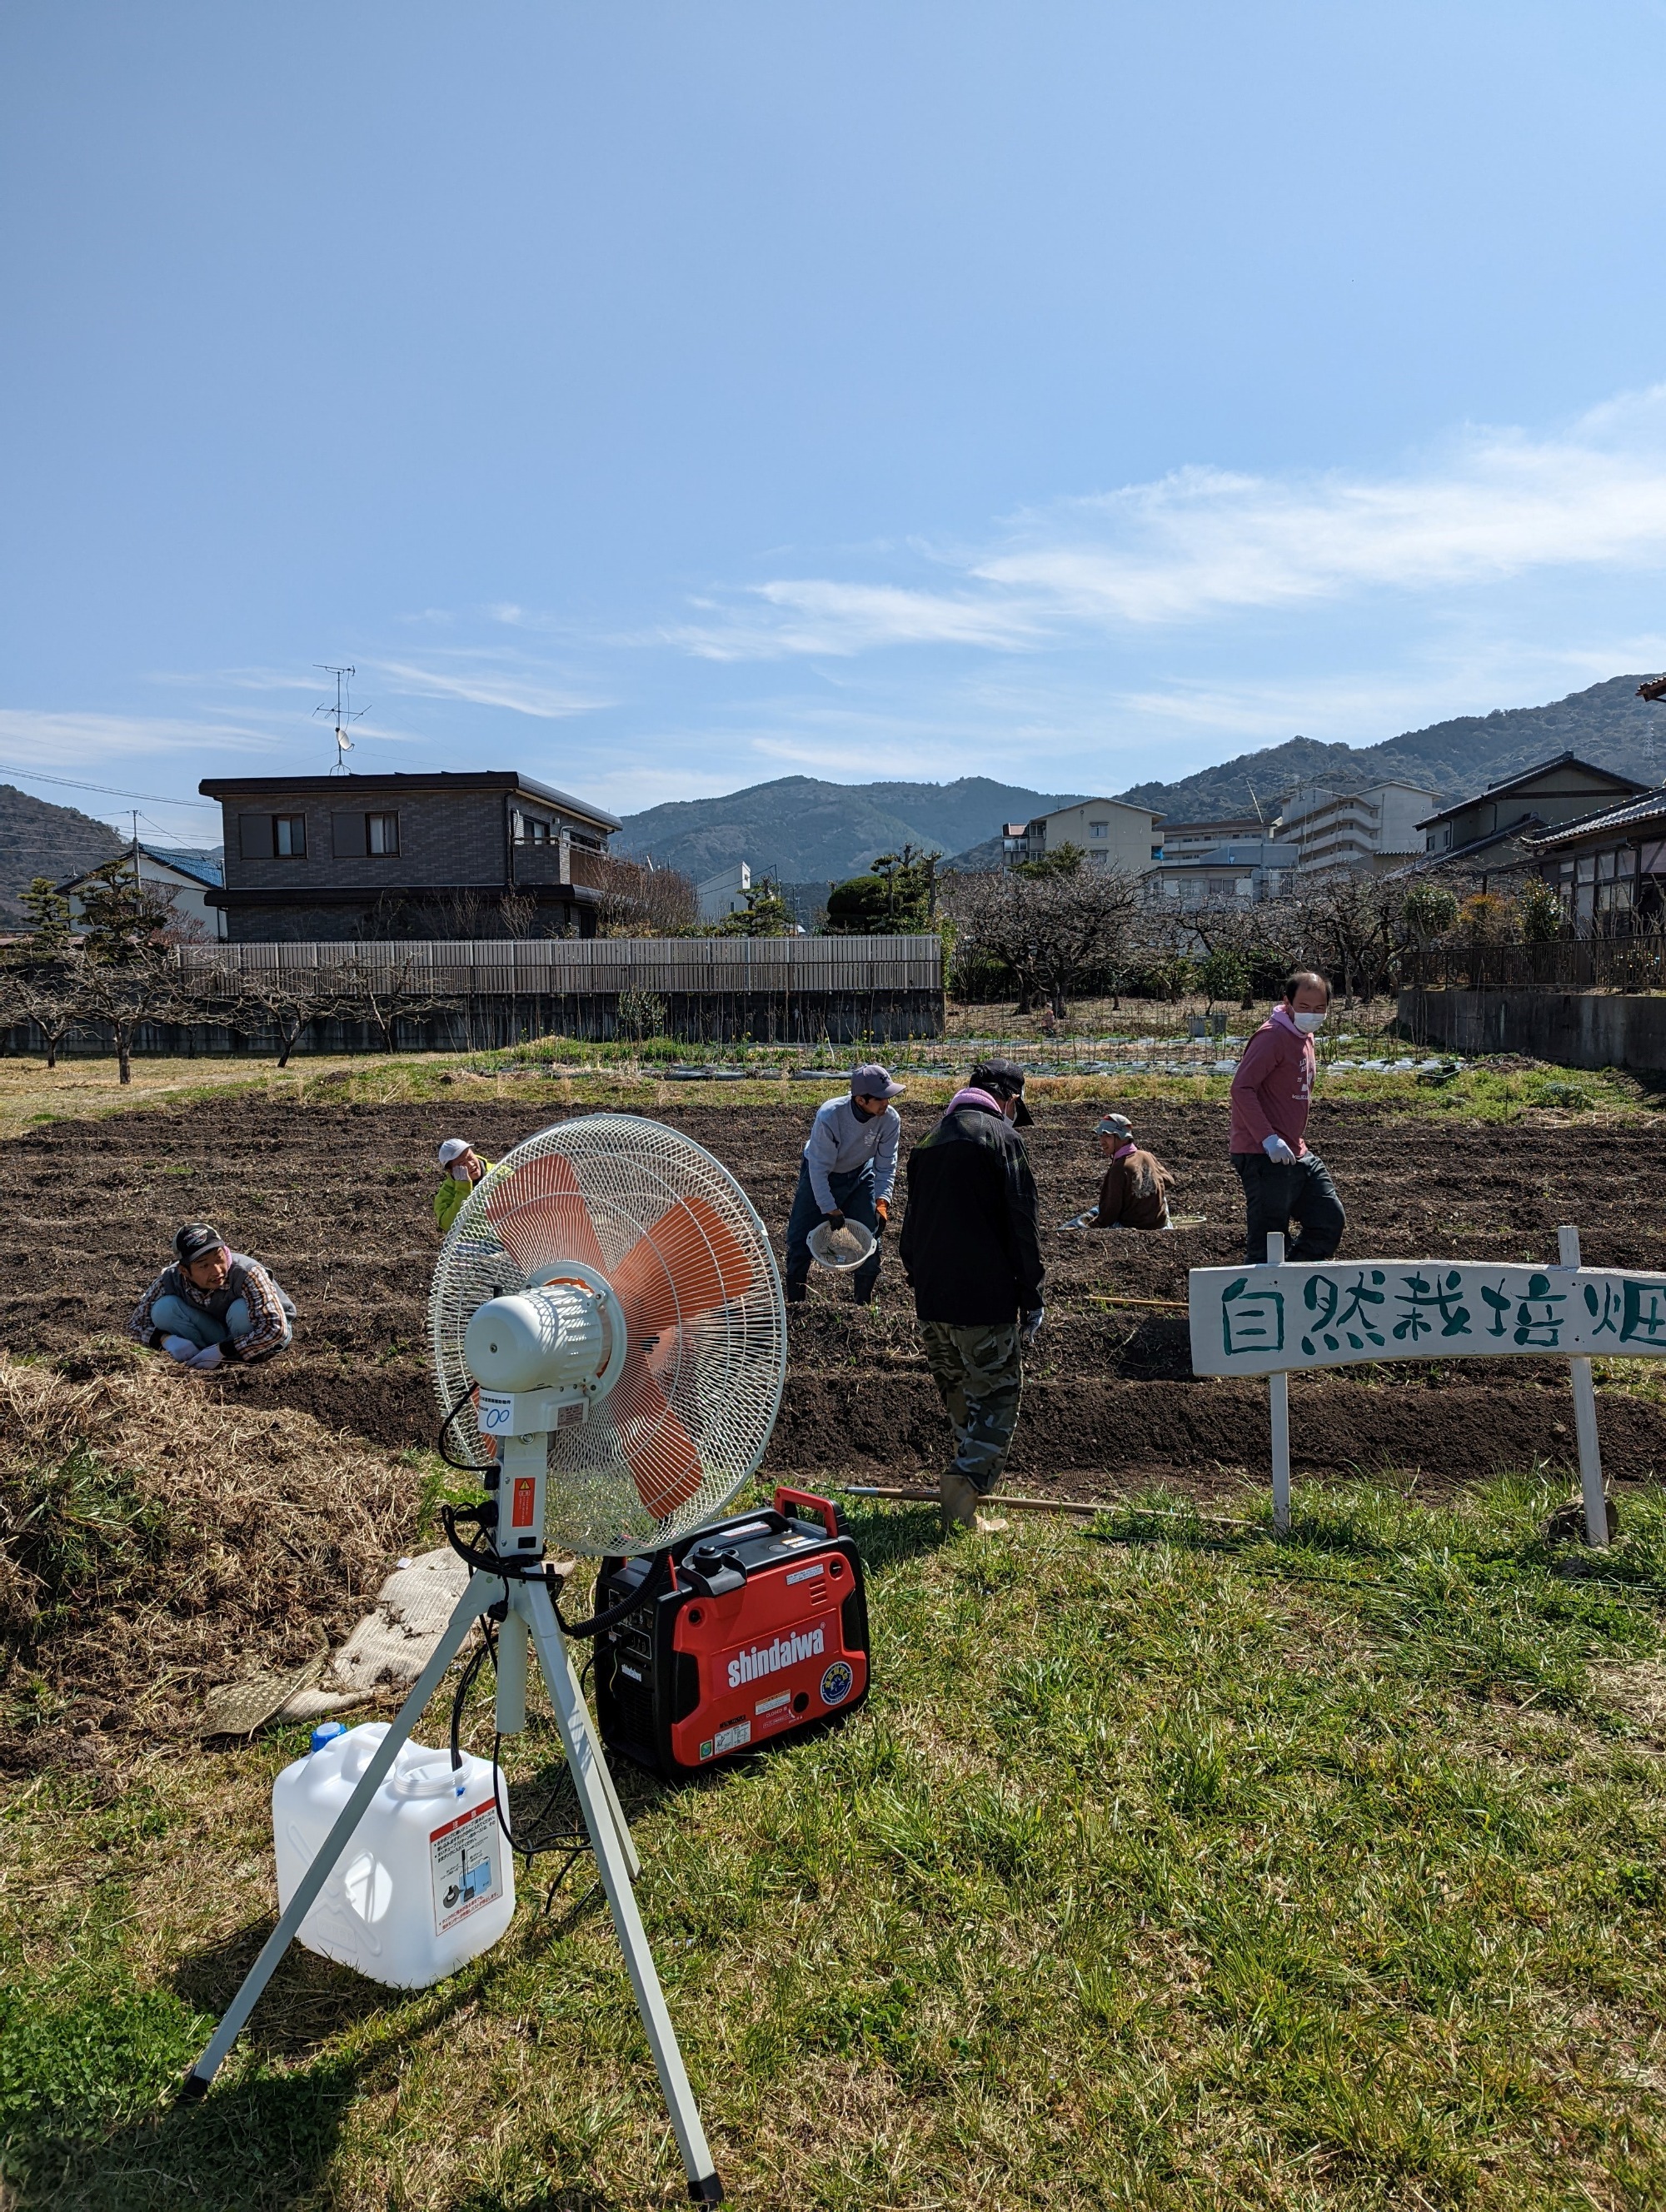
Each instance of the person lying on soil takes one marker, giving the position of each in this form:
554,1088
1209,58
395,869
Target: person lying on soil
972,1254
1272,1091
461,1167
849,1167
213,1304
1134,1192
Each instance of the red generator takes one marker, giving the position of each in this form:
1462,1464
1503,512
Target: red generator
754,1629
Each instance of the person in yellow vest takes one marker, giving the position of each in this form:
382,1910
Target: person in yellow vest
461,1167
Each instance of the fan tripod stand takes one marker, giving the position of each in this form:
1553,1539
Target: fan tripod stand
531,1614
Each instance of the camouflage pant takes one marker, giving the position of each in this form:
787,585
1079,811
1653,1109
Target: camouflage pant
980,1375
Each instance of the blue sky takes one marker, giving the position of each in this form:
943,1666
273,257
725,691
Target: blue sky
662,398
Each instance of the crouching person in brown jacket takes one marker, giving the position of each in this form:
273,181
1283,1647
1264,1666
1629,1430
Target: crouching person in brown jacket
1135,1194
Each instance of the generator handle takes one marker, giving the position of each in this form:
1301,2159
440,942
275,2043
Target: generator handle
822,1507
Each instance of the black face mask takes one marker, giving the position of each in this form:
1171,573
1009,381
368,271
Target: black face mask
865,1113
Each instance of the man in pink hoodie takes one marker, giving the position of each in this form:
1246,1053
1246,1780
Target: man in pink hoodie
1271,1094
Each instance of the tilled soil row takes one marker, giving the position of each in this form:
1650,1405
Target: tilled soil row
337,1201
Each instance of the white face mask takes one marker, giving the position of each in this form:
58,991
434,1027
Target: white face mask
459,1173
1307,1023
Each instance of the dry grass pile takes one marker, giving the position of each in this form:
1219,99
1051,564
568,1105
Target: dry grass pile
156,1539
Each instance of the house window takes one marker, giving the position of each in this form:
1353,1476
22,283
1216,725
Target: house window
381,833
289,836
1097,829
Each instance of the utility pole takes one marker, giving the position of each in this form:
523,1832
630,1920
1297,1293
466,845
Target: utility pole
344,715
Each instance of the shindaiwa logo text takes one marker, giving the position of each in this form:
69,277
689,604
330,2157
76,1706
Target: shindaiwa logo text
769,1658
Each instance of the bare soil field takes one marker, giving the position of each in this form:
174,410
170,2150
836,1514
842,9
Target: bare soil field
336,1200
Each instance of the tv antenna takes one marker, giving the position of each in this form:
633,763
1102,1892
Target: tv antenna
344,713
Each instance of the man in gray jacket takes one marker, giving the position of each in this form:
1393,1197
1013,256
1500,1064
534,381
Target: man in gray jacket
849,1167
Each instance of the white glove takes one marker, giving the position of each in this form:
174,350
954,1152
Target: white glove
208,1358
181,1348
1029,1327
1278,1152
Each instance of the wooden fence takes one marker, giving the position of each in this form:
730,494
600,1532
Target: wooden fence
472,994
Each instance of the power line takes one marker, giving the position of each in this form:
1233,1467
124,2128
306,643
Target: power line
157,797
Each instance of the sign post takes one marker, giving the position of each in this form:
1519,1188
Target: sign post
1277,1393
1276,1319
1585,1420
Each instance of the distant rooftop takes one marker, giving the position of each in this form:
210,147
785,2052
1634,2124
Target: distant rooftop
1611,777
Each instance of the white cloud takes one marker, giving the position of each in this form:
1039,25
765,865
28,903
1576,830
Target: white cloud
1495,504
810,616
488,686
1202,543
51,740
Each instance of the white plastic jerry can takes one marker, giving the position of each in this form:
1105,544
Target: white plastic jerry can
426,1882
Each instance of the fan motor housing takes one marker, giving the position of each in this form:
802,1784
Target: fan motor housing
762,1634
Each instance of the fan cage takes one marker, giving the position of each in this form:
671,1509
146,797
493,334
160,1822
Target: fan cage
721,1370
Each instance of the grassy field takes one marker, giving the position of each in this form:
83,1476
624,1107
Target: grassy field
564,1075
1167,1867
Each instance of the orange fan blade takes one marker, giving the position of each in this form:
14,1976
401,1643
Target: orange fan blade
687,1261
541,1218
664,1463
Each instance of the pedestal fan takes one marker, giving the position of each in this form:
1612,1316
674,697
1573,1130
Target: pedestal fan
610,1346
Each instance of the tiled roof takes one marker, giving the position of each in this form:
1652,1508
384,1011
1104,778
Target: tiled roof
1649,808
207,868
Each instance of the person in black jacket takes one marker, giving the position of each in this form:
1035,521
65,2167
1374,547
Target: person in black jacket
971,1251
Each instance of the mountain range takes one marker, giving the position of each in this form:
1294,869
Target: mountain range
37,839
1609,724
800,829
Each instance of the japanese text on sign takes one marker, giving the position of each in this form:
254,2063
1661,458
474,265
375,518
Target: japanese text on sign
1257,1321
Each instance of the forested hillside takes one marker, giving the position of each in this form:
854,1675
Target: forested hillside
37,839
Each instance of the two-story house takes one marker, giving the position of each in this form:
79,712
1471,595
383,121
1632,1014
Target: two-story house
486,853
1491,832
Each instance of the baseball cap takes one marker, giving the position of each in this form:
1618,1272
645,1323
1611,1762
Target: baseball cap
1005,1079
195,1241
454,1149
870,1080
1114,1125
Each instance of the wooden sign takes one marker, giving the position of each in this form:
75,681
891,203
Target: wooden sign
1260,1321
1279,1319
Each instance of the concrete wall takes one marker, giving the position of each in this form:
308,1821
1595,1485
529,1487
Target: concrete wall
1575,1029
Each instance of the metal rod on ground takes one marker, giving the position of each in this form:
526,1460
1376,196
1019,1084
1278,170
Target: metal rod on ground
1045,1504
1278,1391
1585,1420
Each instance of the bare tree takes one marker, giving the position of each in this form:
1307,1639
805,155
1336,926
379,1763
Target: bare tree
1356,929
122,997
639,901
1058,933
387,985
285,1003
517,911
47,994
